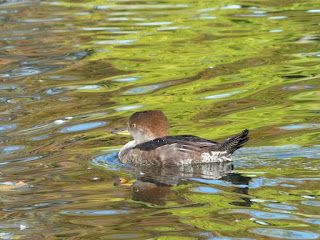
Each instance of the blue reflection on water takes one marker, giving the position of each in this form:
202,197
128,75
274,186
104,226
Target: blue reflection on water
90,87
144,89
7,127
20,99
288,185
37,138
109,161
49,204
313,11
258,182
223,95
285,234
125,108
265,215
21,160
232,7
311,203
126,79
28,71
35,205
298,180
276,31
301,126
9,87
206,190
277,152
95,212
42,20
313,221
278,17
171,28
128,41
10,149
280,206
216,182
55,90
82,127
296,87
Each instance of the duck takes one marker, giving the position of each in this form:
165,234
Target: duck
152,145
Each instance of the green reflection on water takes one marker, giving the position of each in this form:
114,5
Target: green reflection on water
214,68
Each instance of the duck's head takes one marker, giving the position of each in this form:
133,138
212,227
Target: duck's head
148,125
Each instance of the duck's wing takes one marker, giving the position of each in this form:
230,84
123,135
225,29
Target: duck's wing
183,141
171,150
191,138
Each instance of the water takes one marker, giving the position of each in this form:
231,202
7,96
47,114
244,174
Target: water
73,71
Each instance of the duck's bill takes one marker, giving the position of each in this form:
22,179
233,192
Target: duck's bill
124,131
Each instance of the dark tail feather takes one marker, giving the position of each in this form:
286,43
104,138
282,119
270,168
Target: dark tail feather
235,142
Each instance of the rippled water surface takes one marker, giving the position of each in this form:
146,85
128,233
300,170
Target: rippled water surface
73,71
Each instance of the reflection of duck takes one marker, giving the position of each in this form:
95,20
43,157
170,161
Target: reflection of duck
153,183
176,175
149,192
153,146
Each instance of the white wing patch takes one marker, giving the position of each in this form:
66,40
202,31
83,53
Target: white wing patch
209,157
187,161
126,148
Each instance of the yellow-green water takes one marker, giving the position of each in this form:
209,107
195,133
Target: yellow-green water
71,72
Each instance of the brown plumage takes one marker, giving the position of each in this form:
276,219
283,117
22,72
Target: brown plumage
154,122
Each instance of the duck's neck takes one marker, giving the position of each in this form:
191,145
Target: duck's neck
126,148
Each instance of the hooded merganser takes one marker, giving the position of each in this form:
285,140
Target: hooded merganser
153,146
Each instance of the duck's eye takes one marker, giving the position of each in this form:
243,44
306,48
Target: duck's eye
133,125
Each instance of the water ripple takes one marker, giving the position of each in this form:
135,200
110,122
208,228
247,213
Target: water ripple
147,89
313,221
279,152
10,149
109,161
20,160
311,203
96,212
206,190
126,79
215,182
223,95
7,127
19,99
301,126
285,234
27,71
82,127
126,108
280,206
265,215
